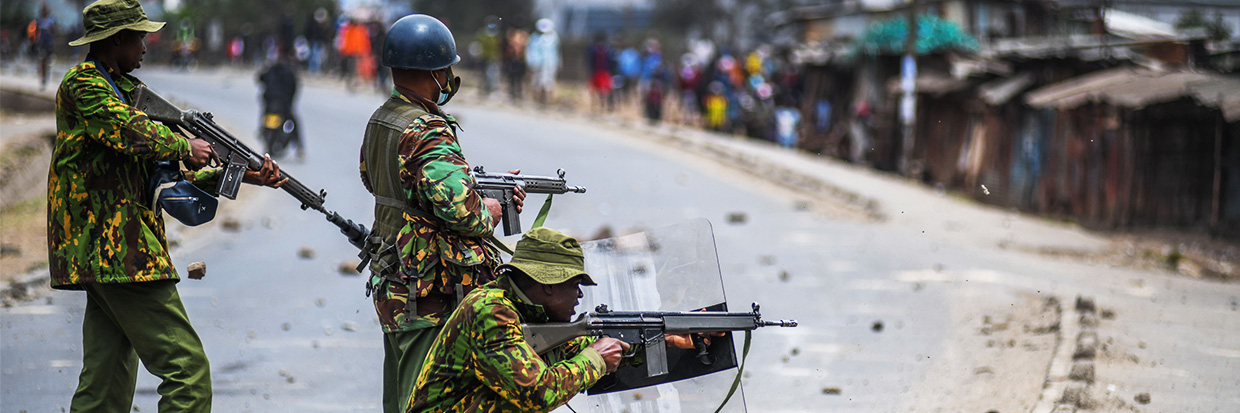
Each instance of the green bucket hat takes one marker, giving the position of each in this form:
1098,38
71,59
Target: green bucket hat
105,18
549,257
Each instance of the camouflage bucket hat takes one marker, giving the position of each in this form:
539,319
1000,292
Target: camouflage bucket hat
105,18
549,257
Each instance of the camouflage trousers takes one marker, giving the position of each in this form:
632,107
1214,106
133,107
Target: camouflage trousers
144,321
403,355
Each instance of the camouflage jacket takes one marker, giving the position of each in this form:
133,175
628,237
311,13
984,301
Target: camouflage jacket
481,362
100,226
440,252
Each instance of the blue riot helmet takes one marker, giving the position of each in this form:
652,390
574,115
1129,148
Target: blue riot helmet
422,42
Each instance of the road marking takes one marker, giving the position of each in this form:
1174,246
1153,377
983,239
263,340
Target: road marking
1219,352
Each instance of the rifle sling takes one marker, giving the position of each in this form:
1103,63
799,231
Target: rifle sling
739,370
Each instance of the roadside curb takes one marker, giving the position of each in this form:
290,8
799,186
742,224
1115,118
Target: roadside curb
789,178
1071,371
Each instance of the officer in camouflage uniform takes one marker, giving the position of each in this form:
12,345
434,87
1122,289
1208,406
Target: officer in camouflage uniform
481,361
432,237
102,234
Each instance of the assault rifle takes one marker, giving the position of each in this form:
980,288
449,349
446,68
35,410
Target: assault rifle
237,157
646,330
502,186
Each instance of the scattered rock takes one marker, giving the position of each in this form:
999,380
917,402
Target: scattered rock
877,327
10,250
348,326
1107,314
290,379
320,301
783,276
286,326
801,205
1084,304
305,252
737,217
230,224
348,267
1089,320
1086,345
1141,344
602,233
252,334
832,391
1082,371
1076,394
1143,398
196,270
984,370
796,351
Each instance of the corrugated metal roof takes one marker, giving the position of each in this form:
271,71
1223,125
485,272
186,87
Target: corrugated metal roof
1136,88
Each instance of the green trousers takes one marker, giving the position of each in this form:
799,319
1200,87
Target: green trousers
403,355
144,321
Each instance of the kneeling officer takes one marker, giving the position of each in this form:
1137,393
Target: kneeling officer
481,361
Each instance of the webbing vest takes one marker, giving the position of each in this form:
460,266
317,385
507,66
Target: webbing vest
380,147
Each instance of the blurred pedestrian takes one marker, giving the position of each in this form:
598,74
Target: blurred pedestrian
106,234
716,107
354,49
432,239
687,83
515,46
381,73
543,57
489,38
600,60
317,35
42,42
629,72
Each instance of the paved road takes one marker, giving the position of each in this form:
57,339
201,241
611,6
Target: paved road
292,334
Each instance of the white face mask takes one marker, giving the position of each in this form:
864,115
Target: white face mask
445,94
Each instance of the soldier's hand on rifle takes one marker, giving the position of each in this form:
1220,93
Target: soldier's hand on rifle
492,206
612,350
200,154
268,175
518,194
685,341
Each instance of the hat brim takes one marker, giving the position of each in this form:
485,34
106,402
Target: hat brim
142,26
549,274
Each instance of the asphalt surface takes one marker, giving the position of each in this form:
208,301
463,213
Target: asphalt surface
883,306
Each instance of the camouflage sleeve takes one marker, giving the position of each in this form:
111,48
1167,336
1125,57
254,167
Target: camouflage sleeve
434,170
510,367
207,179
119,126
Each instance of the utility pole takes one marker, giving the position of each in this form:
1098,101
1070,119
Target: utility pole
908,84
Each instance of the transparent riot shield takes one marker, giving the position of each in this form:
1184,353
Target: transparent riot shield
673,268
